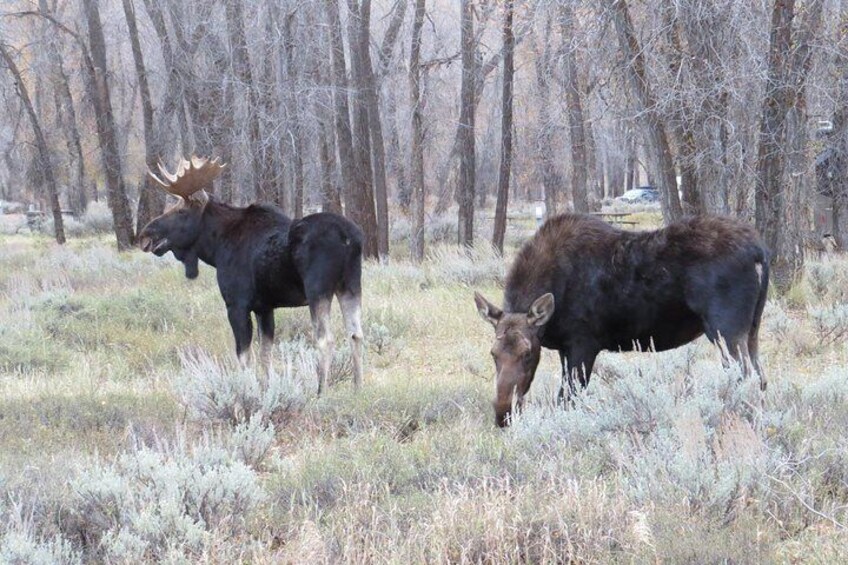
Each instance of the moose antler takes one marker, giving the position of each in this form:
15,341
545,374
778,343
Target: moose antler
191,176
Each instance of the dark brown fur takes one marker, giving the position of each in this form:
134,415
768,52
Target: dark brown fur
617,290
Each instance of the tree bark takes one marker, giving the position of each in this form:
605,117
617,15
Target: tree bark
41,144
467,165
579,165
269,96
661,159
241,67
788,66
364,212
344,136
547,160
80,202
417,165
293,114
505,168
151,200
839,137
116,192
375,128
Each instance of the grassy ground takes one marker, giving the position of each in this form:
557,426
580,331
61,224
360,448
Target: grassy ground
126,433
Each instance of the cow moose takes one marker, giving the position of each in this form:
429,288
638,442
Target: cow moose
263,259
581,286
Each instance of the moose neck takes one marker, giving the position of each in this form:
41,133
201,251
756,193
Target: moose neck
215,224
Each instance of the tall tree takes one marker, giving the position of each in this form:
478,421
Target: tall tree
151,200
241,66
375,128
344,135
43,150
544,141
467,165
579,162
789,62
417,166
363,211
505,169
659,150
116,192
295,132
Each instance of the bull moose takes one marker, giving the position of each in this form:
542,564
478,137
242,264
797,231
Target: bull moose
264,260
581,286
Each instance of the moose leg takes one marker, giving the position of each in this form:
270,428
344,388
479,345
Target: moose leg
754,354
567,380
320,312
351,305
265,320
242,331
576,365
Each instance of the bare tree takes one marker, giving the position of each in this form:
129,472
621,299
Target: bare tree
579,162
363,194
375,128
467,166
151,200
660,155
243,71
788,66
506,129
116,191
417,166
41,143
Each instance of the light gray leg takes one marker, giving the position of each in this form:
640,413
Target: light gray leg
351,305
320,312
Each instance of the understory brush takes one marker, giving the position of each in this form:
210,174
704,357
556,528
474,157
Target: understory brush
132,434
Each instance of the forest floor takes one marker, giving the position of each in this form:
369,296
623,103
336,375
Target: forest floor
127,434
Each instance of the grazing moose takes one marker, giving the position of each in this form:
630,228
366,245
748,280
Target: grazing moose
264,260
581,286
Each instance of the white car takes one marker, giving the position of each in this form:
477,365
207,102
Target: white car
641,195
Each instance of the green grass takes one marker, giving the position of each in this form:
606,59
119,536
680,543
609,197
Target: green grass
108,452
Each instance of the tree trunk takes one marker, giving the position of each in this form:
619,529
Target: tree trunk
172,101
467,172
417,165
506,130
79,203
788,65
363,209
579,165
375,128
116,192
547,160
41,144
839,137
446,191
293,114
679,126
661,159
344,136
241,67
269,89
151,200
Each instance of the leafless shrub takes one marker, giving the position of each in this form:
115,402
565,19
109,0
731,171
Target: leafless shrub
215,390
164,503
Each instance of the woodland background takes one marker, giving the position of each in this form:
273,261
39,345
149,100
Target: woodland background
407,108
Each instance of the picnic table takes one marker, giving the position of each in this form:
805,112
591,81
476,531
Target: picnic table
616,218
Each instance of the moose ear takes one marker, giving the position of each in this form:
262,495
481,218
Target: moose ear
541,310
487,310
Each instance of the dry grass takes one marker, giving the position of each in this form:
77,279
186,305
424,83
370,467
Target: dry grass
128,433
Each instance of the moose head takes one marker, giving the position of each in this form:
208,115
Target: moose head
179,227
516,350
